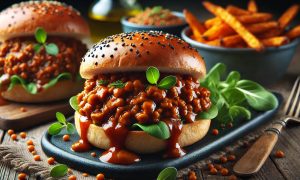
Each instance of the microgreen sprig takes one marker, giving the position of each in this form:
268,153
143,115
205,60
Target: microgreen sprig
117,84
61,123
59,170
41,37
152,75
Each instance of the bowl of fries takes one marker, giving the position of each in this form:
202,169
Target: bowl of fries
251,42
156,19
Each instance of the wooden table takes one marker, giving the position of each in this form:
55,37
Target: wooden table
274,168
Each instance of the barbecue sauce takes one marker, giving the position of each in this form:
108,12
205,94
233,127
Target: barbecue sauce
83,144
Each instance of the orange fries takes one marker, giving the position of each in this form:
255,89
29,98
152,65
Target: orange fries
288,16
235,27
252,7
249,38
294,33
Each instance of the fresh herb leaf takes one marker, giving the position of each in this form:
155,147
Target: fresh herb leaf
239,112
74,103
61,118
233,78
169,173
51,49
117,84
152,75
210,114
59,170
257,97
40,35
159,130
167,82
102,82
29,87
55,128
214,75
156,10
62,76
37,48
70,128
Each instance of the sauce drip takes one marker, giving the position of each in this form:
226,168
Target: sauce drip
83,144
116,154
173,148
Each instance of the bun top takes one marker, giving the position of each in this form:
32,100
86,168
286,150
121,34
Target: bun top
56,18
136,51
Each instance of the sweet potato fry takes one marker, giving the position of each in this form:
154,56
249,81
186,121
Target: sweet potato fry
249,38
262,27
294,33
288,16
252,7
236,11
218,31
196,26
271,33
211,22
231,41
254,18
216,42
275,41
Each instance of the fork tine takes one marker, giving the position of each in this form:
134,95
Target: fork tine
293,100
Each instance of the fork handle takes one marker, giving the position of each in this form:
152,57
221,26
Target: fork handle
256,156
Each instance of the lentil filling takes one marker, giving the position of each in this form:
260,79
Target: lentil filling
18,57
116,109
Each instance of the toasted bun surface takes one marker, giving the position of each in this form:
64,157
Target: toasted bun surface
143,143
56,18
136,51
61,90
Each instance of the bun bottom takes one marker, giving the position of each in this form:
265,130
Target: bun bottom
143,143
61,90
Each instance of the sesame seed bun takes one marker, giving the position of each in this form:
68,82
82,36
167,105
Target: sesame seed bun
136,51
56,18
143,143
62,90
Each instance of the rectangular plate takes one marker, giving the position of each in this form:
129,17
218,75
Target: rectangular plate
151,165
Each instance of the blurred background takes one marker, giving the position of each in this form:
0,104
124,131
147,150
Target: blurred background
113,10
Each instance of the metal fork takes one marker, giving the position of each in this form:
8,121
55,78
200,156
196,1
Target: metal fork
255,157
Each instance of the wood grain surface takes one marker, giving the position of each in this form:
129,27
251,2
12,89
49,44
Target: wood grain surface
11,114
273,169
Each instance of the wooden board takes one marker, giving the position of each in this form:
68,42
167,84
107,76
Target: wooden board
11,116
151,164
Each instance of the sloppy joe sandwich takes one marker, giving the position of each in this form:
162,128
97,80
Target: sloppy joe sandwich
40,51
141,95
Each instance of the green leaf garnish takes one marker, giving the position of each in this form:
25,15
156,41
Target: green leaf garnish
74,103
102,82
159,130
62,76
61,123
167,82
37,48
210,114
55,128
40,35
51,49
61,118
152,75
155,10
169,173
117,84
234,98
70,128
59,170
29,87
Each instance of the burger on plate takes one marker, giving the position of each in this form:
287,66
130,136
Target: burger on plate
40,51
141,95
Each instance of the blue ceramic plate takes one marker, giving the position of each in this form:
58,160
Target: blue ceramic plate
151,165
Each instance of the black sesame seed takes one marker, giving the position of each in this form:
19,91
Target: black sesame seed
115,48
96,63
130,49
103,55
111,56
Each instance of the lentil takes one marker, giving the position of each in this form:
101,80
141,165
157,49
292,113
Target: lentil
279,154
23,135
100,176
